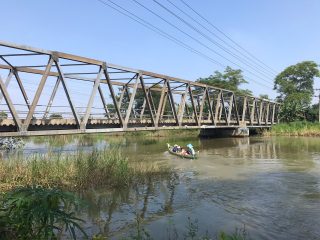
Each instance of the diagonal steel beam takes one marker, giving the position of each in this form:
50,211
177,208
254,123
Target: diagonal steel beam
147,99
91,99
210,105
161,102
193,105
53,94
33,106
66,90
236,109
133,94
23,91
203,100
172,104
113,96
104,101
8,79
11,107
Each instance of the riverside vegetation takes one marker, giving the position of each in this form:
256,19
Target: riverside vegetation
303,128
39,193
74,171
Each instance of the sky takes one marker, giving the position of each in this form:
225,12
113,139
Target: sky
278,32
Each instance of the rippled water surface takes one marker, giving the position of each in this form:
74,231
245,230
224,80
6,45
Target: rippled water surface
269,185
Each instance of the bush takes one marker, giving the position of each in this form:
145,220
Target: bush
3,115
38,213
55,116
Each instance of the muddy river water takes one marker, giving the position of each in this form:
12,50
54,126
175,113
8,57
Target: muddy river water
269,186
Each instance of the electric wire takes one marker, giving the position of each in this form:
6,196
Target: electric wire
150,26
225,35
249,59
198,41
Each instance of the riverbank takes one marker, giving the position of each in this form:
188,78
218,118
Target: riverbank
307,129
107,168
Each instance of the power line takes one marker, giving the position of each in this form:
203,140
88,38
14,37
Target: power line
222,40
225,35
240,59
153,28
196,40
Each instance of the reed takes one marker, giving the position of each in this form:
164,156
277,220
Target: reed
106,168
303,128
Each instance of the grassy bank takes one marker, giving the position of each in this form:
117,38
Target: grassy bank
106,168
295,129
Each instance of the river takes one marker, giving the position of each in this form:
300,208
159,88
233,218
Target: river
268,186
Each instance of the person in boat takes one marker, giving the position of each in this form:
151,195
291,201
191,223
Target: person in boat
176,148
190,150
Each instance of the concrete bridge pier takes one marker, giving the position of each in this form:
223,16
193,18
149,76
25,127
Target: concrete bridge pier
224,132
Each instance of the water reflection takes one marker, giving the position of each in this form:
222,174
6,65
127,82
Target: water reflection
272,185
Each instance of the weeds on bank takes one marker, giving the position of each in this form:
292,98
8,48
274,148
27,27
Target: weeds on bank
79,171
191,232
38,213
295,129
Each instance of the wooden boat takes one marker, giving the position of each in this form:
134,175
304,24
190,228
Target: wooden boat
182,155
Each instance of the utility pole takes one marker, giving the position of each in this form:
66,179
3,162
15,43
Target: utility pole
318,89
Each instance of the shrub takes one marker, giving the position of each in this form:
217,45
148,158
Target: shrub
38,213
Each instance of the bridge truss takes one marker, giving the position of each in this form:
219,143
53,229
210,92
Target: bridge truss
115,98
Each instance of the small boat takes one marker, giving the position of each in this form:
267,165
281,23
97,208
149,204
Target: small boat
170,149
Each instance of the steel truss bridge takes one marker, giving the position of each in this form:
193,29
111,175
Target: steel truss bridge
113,98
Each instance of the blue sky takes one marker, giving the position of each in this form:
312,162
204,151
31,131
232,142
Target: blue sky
279,32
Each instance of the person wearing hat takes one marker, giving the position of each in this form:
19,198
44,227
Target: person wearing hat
190,150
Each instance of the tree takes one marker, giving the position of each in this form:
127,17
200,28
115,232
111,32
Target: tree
264,96
295,86
230,79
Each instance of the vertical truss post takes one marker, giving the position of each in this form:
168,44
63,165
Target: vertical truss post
113,96
203,100
218,106
152,102
33,106
253,111
128,94
147,99
143,108
244,110
163,107
161,102
193,105
224,109
173,107
210,102
53,94
258,113
273,113
182,106
249,112
91,99
6,84
133,94
267,114
12,109
230,109
66,90
121,97
236,109
23,91
104,101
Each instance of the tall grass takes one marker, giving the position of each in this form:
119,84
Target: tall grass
82,170
295,129
38,213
